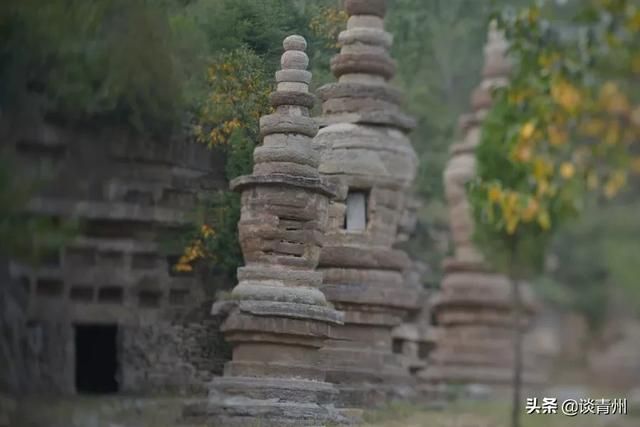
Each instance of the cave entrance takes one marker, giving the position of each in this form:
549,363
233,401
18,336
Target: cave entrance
96,358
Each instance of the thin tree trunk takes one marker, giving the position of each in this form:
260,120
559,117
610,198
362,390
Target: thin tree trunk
517,351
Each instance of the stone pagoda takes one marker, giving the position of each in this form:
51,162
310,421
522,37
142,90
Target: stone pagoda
367,154
474,309
279,318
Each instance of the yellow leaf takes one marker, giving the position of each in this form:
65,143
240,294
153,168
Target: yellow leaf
542,188
610,190
557,136
612,99
531,210
183,267
618,105
592,127
512,224
615,183
495,194
608,89
541,169
509,204
527,130
523,153
612,137
634,22
544,220
546,60
206,230
619,177
567,170
566,95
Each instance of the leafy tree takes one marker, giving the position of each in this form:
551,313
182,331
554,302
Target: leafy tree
83,61
238,95
439,49
246,48
564,127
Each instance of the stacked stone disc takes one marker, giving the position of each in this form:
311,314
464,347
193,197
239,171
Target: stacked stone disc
474,307
366,152
280,317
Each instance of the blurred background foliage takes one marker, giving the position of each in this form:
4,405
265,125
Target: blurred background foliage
25,237
158,67
556,148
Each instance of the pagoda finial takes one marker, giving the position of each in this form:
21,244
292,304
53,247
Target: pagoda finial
496,61
286,145
365,44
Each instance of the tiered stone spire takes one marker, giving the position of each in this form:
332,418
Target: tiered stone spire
473,309
366,152
280,317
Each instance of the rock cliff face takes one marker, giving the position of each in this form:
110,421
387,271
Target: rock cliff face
127,193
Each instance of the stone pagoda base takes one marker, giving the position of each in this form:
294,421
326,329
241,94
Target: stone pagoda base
474,315
364,376
249,401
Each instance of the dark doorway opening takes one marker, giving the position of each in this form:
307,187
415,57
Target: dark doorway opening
96,358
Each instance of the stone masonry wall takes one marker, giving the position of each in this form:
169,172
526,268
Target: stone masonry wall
179,357
128,193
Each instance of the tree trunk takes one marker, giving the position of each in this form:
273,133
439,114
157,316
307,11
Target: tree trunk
517,351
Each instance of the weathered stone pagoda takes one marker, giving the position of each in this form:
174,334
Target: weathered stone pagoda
366,152
474,308
279,317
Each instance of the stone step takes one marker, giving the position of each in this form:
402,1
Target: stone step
288,390
240,411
